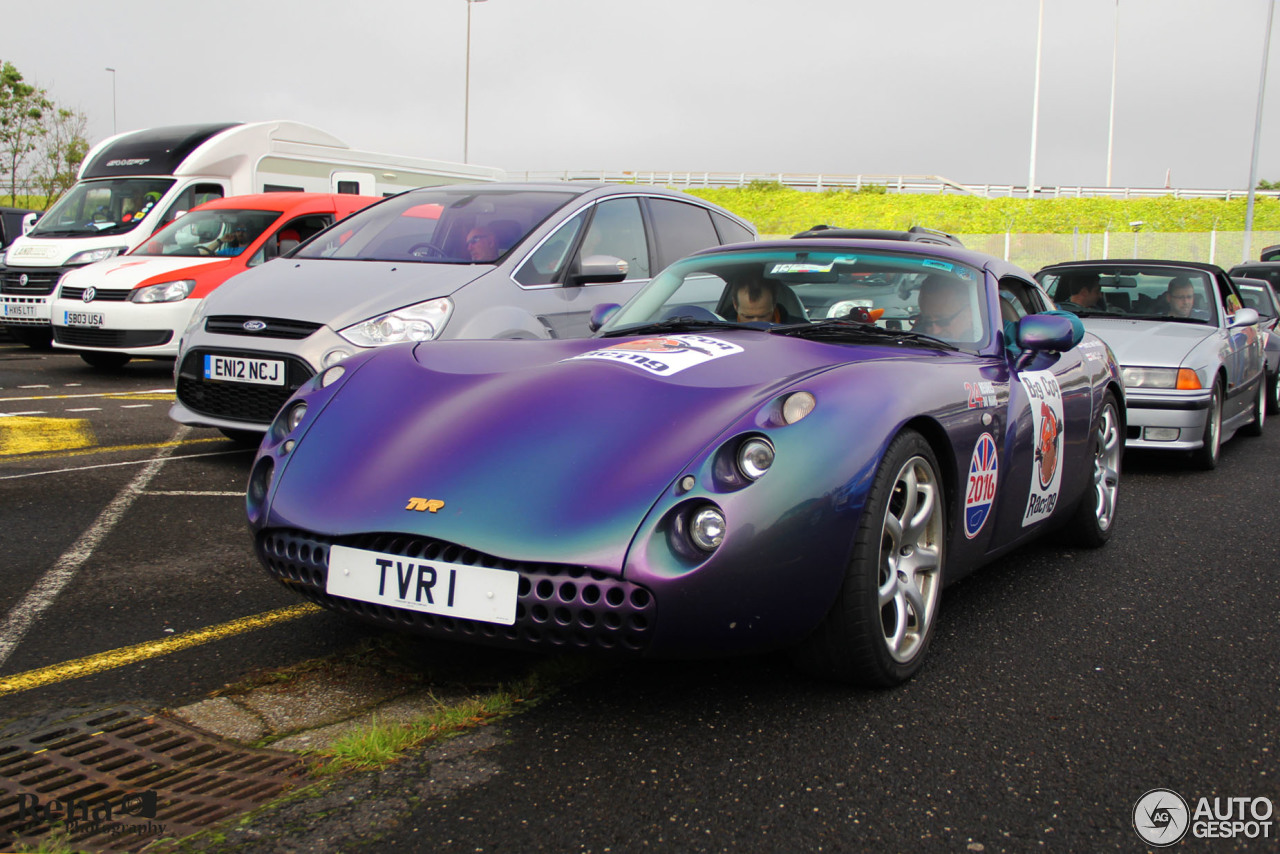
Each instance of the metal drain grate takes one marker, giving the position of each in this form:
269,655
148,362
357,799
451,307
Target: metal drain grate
118,779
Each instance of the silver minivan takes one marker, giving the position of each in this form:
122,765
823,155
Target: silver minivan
466,261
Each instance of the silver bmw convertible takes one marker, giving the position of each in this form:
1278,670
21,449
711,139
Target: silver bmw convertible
1191,355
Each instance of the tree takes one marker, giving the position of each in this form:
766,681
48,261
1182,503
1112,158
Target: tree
61,152
22,108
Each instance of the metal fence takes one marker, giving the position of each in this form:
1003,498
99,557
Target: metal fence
934,184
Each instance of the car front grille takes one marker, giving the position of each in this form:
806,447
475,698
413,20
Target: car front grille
29,281
233,324
77,337
558,607
103,295
251,403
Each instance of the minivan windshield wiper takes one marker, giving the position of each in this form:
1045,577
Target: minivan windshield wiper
681,323
841,329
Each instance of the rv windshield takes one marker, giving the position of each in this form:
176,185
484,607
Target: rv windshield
111,206
435,226
222,231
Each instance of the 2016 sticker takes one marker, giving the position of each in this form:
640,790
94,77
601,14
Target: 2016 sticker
983,479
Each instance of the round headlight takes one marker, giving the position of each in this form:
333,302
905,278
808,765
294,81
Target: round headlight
295,416
706,528
755,457
333,357
797,406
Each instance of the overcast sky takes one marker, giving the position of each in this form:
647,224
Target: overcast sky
939,87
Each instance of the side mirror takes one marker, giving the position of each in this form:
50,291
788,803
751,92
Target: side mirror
601,314
599,269
1243,317
29,221
1045,332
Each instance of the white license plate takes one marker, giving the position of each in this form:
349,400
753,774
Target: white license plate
450,589
29,311
236,369
91,319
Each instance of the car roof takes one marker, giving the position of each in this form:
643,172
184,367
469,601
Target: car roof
916,234
1257,265
285,202
1135,263
973,258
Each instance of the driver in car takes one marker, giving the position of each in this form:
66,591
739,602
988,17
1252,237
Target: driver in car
944,309
482,244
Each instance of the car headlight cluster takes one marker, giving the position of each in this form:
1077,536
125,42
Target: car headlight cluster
164,292
1179,378
89,256
421,322
287,422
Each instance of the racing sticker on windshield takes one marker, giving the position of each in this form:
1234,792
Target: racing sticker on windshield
1045,398
664,356
982,485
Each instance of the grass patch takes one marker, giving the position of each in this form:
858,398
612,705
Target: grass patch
380,743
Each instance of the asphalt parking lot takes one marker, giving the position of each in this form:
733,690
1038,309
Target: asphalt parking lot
1061,686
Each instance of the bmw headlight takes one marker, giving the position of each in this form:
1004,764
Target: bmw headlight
421,322
1182,378
164,292
89,256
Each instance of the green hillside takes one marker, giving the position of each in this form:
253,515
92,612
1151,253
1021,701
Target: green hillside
778,210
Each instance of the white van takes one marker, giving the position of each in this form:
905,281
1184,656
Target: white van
134,183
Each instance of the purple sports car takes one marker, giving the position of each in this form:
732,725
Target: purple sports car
788,444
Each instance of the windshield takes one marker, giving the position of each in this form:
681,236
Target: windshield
223,231
905,292
457,226
1142,293
102,207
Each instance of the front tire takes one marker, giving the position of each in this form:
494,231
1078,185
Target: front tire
1206,456
1273,395
105,361
880,625
1254,427
1091,523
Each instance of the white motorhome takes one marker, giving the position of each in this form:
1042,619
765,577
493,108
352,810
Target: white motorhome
134,183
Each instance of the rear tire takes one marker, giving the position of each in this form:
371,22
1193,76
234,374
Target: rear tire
1206,456
1091,523
1254,427
1273,395
878,630
105,361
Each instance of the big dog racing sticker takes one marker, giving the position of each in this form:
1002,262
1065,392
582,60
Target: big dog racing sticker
663,356
981,493
1045,398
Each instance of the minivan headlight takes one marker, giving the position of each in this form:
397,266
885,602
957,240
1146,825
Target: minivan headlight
164,292
421,322
89,256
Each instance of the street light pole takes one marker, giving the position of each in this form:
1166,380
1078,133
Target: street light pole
1257,133
113,101
1111,125
1035,106
466,100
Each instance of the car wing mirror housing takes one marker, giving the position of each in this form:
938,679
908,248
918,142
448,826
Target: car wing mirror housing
1243,317
599,269
601,314
1045,333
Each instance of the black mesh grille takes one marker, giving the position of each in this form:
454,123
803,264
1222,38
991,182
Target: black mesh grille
558,606
233,324
104,295
251,403
77,337
29,281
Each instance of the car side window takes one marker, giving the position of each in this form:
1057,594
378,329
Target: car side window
617,229
731,231
1019,298
680,229
289,235
544,266
1227,290
193,196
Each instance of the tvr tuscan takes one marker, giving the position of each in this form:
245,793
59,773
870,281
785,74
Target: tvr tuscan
787,444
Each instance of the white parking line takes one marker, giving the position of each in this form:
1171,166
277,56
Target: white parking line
129,463
37,601
15,414
239,494
33,386
137,406
86,409
124,394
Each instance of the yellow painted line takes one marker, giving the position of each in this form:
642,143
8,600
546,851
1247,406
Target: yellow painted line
89,665
25,434
108,449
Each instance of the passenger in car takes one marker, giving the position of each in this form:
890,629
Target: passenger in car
756,301
1085,293
944,309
